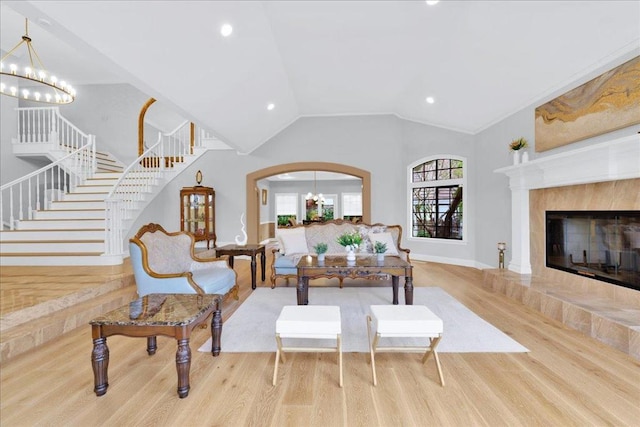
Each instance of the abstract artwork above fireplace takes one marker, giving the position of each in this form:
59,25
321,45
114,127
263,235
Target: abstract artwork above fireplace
606,103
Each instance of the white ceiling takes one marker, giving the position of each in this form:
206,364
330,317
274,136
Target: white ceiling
480,60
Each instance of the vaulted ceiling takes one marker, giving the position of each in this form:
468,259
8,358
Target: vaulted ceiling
479,60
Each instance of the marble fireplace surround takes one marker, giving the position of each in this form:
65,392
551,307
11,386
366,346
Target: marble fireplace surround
609,161
603,176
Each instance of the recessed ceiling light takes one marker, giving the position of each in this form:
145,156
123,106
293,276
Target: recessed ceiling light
271,106
226,30
432,2
430,100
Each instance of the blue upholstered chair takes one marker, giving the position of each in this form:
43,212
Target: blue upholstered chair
165,263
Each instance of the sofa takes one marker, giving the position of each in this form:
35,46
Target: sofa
297,241
165,263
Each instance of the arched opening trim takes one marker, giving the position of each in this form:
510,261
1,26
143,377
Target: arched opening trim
253,193
143,111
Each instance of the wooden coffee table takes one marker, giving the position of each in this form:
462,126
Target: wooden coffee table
250,250
173,315
364,267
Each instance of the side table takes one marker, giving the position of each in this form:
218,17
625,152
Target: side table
173,315
250,250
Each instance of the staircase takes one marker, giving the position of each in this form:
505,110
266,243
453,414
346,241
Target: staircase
55,227
70,232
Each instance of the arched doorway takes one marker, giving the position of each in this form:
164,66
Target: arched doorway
143,112
253,194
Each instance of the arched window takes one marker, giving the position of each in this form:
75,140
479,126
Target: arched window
436,197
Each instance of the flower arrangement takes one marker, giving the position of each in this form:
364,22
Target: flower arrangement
350,240
321,248
518,144
380,247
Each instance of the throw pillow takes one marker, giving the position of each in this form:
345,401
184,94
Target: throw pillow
292,241
385,238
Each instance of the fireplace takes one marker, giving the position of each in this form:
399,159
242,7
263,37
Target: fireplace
612,161
602,245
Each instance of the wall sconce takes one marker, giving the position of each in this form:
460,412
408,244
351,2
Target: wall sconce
502,246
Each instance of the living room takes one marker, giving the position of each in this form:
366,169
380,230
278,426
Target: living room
384,145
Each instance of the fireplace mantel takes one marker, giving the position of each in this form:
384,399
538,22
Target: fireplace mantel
608,161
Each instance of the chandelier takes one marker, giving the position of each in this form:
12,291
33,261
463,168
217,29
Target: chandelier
315,196
37,84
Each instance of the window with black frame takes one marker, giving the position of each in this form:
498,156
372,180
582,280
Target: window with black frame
437,199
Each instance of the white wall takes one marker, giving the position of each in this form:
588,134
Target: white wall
383,145
420,141
267,213
493,194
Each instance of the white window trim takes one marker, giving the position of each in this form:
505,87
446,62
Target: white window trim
342,214
411,185
275,206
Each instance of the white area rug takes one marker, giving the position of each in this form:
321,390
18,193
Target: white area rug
252,327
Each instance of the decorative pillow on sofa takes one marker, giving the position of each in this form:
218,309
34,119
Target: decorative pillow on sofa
364,230
292,241
385,238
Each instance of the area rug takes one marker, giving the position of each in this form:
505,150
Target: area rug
252,327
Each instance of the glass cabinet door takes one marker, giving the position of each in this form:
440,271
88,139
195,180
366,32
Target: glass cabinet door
197,214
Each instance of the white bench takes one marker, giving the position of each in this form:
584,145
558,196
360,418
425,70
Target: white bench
404,321
308,321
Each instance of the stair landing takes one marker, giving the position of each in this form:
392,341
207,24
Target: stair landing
39,304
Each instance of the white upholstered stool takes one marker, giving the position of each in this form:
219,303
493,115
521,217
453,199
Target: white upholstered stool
404,321
308,321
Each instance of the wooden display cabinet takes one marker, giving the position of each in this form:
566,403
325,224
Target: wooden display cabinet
198,213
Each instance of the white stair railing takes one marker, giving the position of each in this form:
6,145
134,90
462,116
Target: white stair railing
35,191
39,125
138,179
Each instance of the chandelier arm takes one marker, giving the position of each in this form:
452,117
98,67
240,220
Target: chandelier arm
32,48
12,50
29,49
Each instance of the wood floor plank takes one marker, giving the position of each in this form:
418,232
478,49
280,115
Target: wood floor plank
566,378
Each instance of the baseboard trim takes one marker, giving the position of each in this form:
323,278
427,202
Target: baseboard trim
448,260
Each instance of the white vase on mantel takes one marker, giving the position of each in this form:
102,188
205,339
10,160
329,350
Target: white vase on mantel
525,156
516,157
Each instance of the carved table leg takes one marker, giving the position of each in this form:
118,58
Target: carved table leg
394,284
253,271
183,365
231,261
408,290
263,264
152,345
100,364
216,332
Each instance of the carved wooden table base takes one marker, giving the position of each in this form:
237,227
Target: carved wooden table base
366,267
173,315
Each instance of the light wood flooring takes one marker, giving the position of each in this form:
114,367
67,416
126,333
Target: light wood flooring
566,379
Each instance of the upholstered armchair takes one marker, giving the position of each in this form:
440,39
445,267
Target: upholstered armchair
166,263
